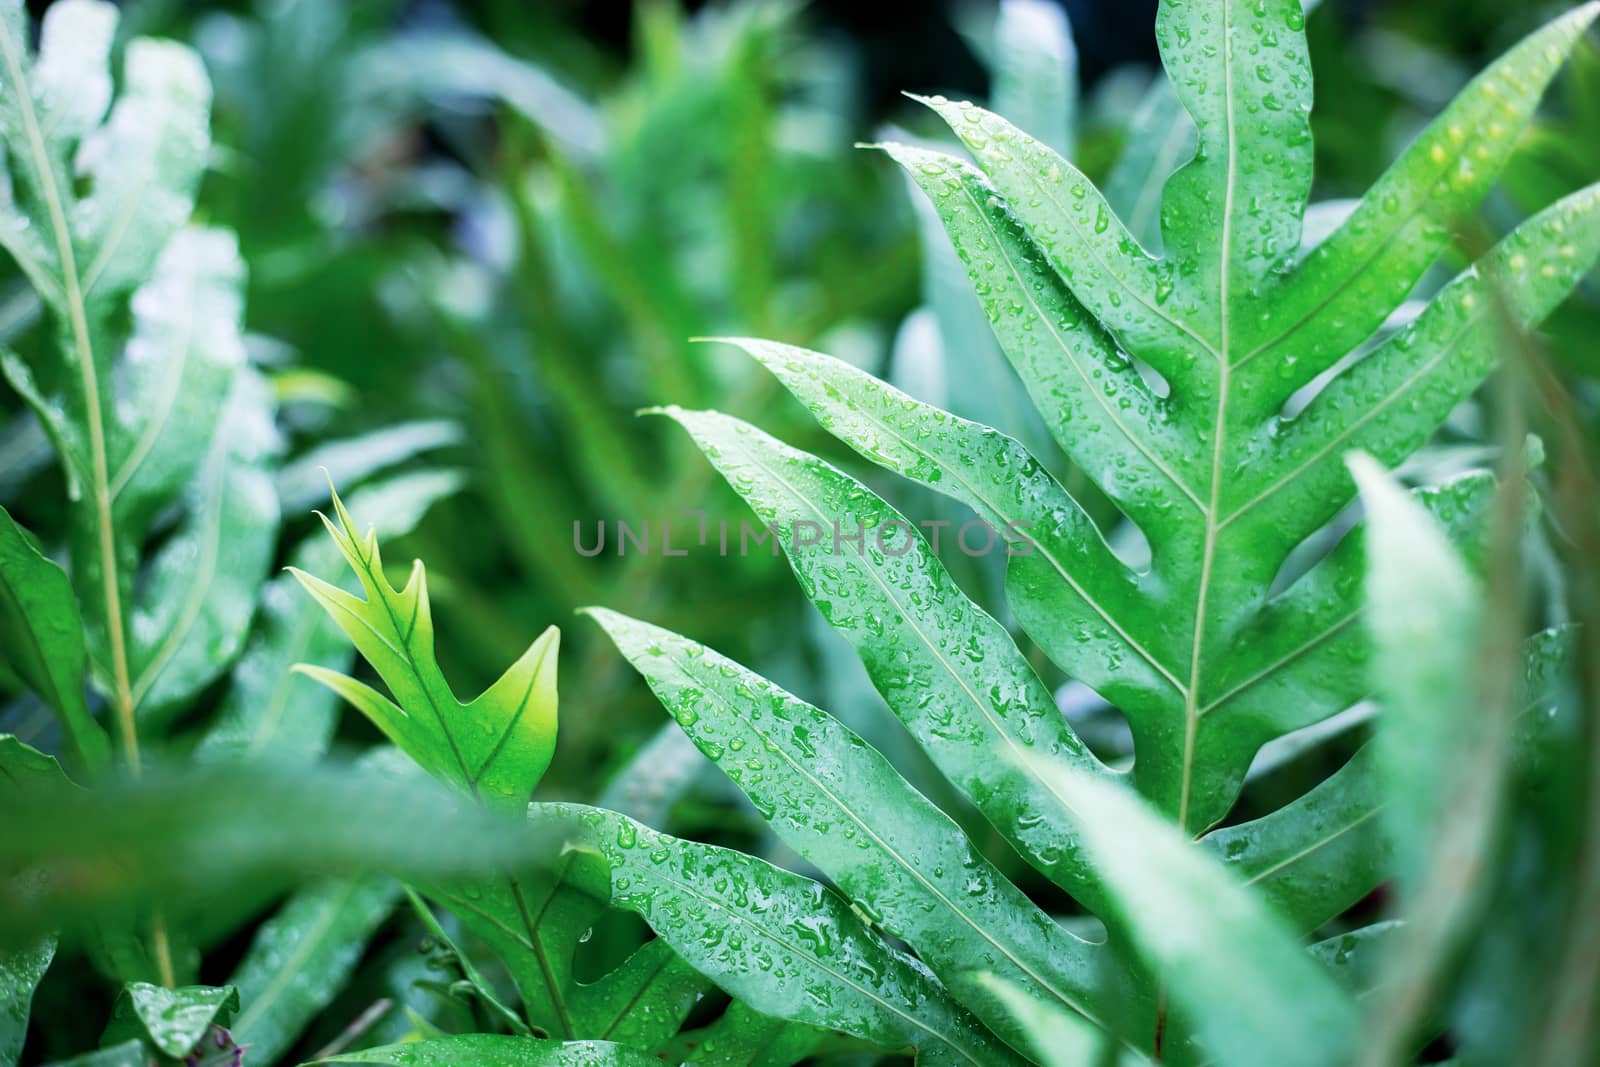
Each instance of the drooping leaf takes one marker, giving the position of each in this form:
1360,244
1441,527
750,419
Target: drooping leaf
20,971
783,944
490,1050
301,958
498,746
42,637
173,1021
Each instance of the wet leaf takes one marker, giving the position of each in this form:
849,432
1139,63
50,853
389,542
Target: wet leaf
783,944
173,1021
42,635
488,1050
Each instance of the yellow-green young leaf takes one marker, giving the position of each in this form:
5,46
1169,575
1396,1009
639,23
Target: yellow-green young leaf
173,1021
41,637
491,1050
1236,973
844,808
271,711
783,944
497,746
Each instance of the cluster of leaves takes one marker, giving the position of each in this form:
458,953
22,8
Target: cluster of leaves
1186,361
1212,396
163,633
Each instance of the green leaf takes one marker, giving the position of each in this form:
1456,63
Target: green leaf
1198,458
20,971
1036,71
271,711
1344,290
196,598
304,483
1316,856
951,673
172,1020
92,214
1160,136
481,987
498,746
43,640
783,944
190,839
489,1050
301,958
1056,1038
536,924
741,1037
844,808
1429,626
24,768
1233,969
1425,622
1355,959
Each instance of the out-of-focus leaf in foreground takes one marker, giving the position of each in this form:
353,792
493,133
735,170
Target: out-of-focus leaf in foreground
187,838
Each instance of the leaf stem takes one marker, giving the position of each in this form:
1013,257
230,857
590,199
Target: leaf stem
100,479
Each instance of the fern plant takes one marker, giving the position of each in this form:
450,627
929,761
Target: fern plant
1212,394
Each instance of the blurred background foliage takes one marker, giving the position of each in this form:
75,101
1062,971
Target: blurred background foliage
482,234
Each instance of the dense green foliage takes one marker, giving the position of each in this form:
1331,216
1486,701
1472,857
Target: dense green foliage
1244,714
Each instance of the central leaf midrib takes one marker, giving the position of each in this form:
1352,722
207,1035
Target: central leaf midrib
89,374
1191,704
